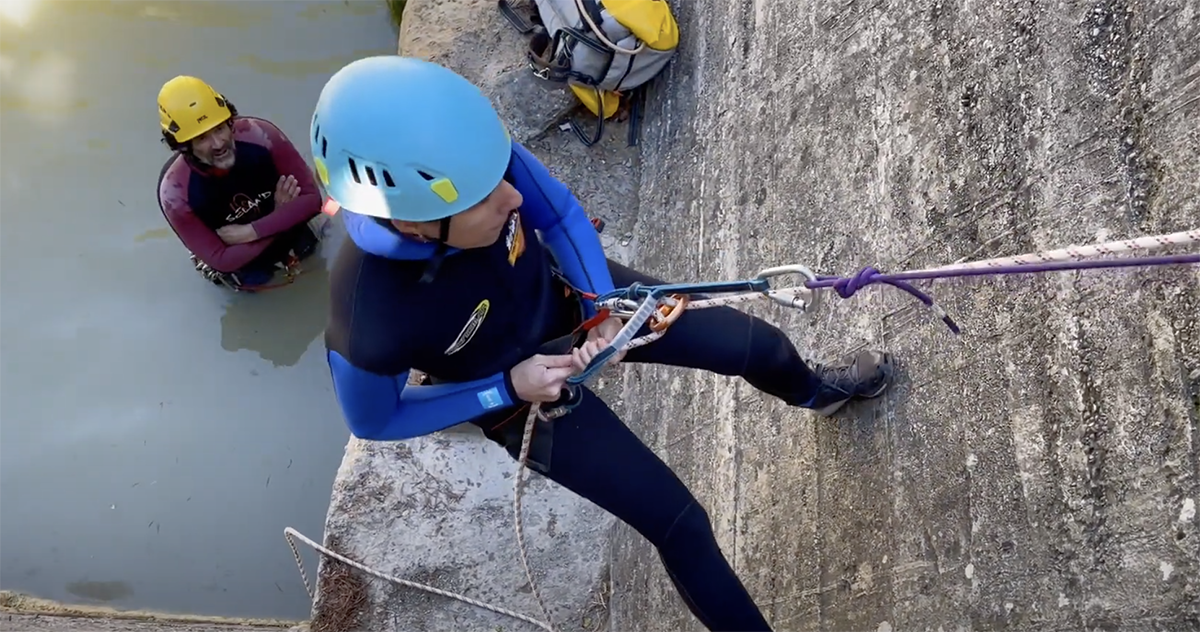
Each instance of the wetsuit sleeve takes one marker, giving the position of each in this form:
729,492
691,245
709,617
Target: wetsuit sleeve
201,240
288,161
385,408
551,208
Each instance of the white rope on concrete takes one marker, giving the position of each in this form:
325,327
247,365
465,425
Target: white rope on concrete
289,533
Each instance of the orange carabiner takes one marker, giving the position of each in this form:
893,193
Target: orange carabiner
668,314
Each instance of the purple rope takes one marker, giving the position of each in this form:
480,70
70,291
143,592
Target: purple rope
847,286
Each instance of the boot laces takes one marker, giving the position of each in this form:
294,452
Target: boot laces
840,376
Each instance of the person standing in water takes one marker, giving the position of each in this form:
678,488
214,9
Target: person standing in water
235,190
466,260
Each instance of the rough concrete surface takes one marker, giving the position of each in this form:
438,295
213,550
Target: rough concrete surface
472,37
1037,473
1040,472
439,510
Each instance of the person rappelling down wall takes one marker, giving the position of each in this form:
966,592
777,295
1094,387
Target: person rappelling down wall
235,190
469,262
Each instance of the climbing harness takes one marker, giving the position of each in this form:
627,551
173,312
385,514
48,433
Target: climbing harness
290,268
662,305
291,271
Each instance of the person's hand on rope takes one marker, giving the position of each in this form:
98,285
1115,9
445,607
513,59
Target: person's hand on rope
542,378
598,339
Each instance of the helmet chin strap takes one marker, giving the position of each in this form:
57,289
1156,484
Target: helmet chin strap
435,262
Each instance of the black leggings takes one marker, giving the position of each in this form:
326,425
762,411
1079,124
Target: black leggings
596,456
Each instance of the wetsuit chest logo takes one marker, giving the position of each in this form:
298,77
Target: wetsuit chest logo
241,205
515,241
471,328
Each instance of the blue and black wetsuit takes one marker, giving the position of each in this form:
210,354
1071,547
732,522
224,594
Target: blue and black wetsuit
487,309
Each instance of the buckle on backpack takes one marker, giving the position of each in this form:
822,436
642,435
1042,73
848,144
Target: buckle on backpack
542,73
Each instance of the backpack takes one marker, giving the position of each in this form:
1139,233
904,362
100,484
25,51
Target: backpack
604,50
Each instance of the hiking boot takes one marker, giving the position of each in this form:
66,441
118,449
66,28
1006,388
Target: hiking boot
864,375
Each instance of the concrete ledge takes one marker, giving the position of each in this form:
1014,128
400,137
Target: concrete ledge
438,510
23,613
66,623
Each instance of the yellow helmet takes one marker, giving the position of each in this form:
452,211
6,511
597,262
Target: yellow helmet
188,107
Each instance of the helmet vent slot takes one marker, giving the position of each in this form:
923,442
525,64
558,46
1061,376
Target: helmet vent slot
372,174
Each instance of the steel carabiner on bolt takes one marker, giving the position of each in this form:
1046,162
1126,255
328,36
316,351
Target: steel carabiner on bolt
809,299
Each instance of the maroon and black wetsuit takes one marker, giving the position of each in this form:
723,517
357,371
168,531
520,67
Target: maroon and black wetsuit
197,201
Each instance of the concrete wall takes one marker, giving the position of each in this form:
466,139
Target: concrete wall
1038,472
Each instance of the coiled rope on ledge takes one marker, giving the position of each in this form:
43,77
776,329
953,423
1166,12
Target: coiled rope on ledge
661,307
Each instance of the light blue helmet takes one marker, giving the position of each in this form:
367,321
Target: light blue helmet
402,138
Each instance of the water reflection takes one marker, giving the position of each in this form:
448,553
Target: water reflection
186,13
100,591
300,67
17,12
280,324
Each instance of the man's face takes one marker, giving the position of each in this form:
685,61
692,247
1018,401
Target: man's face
477,227
215,147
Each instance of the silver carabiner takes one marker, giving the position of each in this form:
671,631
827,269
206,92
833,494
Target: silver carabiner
809,299
620,307
570,398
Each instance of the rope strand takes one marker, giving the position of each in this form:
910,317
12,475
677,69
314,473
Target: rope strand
289,533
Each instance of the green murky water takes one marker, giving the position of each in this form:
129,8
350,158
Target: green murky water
157,432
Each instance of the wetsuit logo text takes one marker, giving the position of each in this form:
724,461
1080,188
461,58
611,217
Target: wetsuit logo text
241,204
515,239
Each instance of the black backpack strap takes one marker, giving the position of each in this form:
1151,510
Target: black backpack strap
637,101
575,127
593,10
